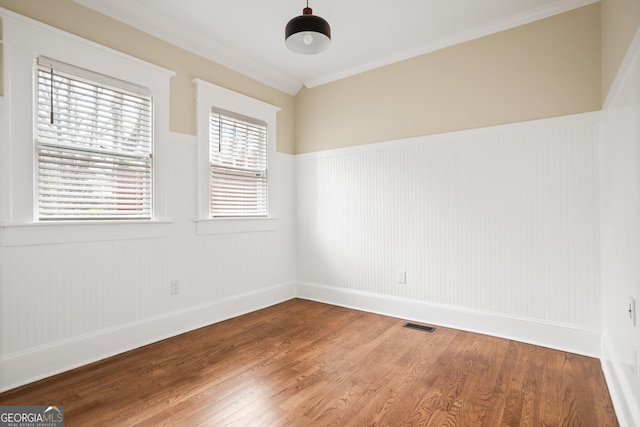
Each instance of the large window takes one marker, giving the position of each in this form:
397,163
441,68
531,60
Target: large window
238,162
93,145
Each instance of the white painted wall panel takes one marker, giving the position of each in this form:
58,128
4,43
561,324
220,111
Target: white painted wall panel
620,166
54,292
60,289
502,219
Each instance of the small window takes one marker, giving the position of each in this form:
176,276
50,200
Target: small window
238,166
236,171
93,145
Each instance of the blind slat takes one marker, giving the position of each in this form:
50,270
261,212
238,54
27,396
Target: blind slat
238,166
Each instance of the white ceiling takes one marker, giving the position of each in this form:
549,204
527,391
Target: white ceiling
248,35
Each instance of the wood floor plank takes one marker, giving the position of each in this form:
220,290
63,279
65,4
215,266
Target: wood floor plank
507,394
302,363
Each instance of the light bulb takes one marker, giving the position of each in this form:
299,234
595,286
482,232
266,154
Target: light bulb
308,39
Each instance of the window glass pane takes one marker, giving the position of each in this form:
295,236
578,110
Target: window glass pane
238,166
94,148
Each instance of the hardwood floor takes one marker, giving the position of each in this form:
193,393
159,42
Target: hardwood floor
302,363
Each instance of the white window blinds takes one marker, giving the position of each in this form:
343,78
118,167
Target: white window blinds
238,166
94,145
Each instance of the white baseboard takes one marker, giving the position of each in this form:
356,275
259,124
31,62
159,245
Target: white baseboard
626,407
23,367
547,334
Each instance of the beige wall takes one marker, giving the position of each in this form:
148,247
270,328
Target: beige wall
548,68
544,69
76,19
620,21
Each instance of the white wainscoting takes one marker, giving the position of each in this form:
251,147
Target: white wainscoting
620,194
72,294
497,221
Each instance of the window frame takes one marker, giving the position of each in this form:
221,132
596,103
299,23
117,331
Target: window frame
24,41
213,97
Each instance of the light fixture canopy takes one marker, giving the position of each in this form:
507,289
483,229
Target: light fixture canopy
307,34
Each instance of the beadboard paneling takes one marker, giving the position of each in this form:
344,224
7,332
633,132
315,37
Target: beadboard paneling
55,292
620,171
501,219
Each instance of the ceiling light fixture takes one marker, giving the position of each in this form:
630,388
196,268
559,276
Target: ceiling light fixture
307,34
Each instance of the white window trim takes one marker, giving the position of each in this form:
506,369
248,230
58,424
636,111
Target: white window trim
58,232
25,40
208,96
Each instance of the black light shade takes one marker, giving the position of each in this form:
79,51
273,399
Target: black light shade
307,34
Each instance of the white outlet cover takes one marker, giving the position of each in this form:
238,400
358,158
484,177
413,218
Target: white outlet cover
402,277
175,287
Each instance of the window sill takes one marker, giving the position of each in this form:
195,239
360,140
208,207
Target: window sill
58,232
207,226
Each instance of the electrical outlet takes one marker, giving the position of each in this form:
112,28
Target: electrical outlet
632,311
401,277
175,287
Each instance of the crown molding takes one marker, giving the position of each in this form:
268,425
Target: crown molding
461,37
164,28
186,38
